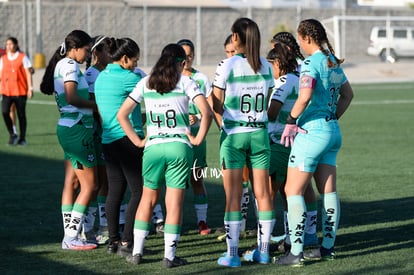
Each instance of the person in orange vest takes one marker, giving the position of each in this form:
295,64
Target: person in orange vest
16,88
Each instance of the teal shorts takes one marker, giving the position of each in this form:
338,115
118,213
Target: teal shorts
279,156
251,149
167,164
320,145
199,152
78,144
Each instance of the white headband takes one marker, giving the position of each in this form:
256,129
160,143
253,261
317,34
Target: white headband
97,43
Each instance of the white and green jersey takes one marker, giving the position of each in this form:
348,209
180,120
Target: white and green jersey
167,114
286,91
67,70
246,93
90,75
204,85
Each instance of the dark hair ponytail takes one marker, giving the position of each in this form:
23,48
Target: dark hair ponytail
123,46
74,40
249,35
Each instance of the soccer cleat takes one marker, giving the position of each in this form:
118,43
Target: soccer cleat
290,260
124,250
248,253
229,261
311,240
22,142
222,238
103,236
203,228
112,248
320,254
13,139
174,263
90,237
256,256
159,228
134,259
77,244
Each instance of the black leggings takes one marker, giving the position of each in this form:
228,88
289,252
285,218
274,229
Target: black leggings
20,102
123,167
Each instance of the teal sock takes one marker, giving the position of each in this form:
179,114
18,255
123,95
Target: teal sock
296,220
330,218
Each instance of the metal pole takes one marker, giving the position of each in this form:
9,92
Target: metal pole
145,32
39,26
198,43
30,29
24,14
337,37
89,18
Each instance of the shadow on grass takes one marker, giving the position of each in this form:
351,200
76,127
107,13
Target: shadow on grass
31,227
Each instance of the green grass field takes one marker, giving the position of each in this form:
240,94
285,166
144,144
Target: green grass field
375,184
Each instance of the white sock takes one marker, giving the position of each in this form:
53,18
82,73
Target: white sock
170,245
232,239
89,219
244,205
139,240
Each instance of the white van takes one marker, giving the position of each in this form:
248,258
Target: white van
401,43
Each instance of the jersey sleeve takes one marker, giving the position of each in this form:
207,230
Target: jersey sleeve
220,77
70,71
281,89
138,91
191,88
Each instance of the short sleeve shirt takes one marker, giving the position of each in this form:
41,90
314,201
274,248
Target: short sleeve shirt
167,114
328,82
286,91
246,94
112,87
204,85
68,70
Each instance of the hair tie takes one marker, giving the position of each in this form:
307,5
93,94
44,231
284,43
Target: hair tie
98,42
63,49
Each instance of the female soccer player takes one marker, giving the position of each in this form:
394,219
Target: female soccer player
168,155
240,90
64,79
312,124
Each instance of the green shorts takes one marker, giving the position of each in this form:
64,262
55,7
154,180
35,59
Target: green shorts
251,148
167,163
78,145
279,157
200,151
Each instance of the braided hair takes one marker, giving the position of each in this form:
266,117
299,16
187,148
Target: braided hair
289,40
314,29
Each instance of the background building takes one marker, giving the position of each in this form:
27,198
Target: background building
41,26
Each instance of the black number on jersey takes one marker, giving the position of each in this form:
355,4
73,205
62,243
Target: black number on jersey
247,102
168,120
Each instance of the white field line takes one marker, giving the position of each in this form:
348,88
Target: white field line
41,102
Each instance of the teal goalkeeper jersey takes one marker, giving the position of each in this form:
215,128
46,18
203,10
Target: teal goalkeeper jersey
328,82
